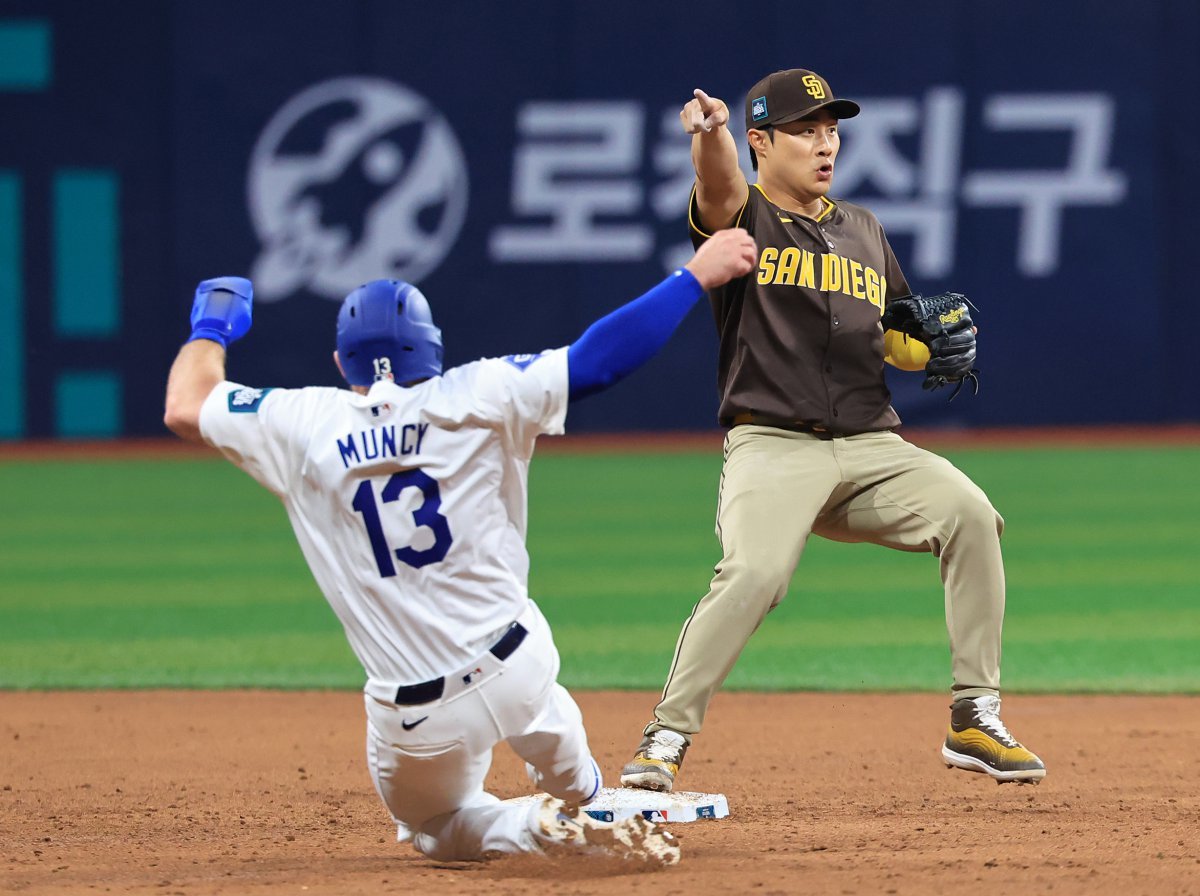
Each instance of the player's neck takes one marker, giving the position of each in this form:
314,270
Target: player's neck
811,205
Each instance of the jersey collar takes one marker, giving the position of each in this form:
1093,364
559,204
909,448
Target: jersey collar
827,206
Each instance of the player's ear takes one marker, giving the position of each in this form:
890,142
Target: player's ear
757,140
338,362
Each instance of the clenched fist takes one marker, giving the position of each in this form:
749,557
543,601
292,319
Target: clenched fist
727,254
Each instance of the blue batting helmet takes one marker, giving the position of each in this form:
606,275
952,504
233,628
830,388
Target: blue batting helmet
385,331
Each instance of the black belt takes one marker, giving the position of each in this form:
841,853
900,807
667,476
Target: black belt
428,691
790,425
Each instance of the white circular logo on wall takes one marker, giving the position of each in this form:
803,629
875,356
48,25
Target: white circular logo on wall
354,179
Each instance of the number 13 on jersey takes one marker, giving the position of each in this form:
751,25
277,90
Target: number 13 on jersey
427,513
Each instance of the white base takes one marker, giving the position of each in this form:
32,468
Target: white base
616,803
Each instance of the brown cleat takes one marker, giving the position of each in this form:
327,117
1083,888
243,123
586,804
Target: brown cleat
656,762
979,742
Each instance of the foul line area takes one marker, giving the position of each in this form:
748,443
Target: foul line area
167,448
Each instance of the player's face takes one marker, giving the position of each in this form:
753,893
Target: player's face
803,154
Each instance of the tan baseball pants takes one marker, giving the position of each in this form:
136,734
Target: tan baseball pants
777,487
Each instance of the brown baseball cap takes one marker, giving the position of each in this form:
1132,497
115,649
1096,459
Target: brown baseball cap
792,94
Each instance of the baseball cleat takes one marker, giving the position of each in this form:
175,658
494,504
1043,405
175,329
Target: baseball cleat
656,762
979,742
561,825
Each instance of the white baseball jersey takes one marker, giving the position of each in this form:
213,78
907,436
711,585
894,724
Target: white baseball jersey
409,503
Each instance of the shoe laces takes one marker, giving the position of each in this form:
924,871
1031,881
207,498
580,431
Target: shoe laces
987,716
664,746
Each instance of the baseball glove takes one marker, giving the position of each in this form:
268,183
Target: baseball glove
943,322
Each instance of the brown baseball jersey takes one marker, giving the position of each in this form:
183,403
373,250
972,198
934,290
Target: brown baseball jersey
800,335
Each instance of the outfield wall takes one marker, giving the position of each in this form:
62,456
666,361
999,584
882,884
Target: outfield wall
523,163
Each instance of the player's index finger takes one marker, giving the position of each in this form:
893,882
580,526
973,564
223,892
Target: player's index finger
704,98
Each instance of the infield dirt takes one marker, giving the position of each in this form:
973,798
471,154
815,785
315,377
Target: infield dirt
262,793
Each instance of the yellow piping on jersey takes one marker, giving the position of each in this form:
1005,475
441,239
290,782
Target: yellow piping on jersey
692,221
829,206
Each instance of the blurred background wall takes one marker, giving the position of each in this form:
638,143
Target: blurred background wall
523,163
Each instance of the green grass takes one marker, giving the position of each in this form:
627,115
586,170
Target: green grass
185,573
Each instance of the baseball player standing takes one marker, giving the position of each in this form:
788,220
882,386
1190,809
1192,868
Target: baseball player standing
810,446
407,494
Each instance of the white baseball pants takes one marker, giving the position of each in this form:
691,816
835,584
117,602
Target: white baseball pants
429,761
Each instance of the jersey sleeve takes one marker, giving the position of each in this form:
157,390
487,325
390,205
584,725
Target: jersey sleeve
263,431
520,396
696,227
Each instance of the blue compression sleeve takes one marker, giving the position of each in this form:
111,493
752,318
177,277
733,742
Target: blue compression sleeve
621,342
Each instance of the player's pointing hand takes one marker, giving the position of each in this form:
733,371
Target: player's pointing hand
703,113
724,256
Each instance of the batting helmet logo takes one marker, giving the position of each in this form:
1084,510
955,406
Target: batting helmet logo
351,179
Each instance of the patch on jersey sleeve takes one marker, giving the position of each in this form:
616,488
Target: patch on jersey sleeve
246,400
521,361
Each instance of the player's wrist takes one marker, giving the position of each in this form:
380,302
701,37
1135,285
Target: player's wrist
687,279
210,334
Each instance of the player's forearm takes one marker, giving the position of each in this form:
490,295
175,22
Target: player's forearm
715,158
720,184
621,342
198,368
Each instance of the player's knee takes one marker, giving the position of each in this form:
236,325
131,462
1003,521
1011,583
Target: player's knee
428,845
577,784
758,584
974,512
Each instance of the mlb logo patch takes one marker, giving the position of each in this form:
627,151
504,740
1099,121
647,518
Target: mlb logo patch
758,108
246,400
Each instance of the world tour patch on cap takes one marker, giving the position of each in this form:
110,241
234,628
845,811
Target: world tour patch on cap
758,108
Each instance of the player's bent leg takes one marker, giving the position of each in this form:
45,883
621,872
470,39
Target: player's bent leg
430,777
555,749
483,828
917,501
774,483
913,500
542,723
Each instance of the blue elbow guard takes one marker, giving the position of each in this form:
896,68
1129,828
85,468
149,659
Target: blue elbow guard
221,310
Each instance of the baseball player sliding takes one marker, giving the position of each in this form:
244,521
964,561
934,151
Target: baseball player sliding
407,493
811,446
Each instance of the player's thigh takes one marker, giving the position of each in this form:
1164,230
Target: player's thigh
555,740
436,765
902,496
537,716
521,695
773,485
